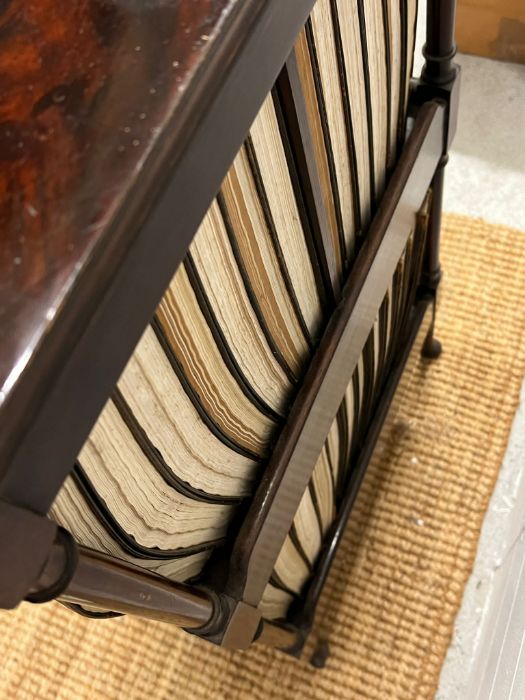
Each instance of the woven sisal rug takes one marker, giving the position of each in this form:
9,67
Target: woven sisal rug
390,603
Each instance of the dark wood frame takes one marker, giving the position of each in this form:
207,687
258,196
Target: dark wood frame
36,558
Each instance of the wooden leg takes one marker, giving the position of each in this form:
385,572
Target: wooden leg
432,348
439,71
320,654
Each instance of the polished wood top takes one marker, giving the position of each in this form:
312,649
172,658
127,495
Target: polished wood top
88,91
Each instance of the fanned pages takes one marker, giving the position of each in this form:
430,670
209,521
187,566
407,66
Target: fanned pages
160,405
339,119
274,171
411,12
152,511
347,17
189,343
221,279
254,240
72,510
396,65
321,152
377,80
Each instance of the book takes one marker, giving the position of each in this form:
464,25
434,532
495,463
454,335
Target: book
73,511
188,431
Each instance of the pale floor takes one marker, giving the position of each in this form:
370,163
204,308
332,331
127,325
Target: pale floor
486,178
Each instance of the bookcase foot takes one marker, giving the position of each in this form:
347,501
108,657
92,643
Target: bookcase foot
432,348
320,654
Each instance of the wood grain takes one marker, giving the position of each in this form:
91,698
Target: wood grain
87,89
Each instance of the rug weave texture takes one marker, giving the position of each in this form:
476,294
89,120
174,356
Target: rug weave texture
389,606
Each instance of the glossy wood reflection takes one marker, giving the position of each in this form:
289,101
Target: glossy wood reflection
86,89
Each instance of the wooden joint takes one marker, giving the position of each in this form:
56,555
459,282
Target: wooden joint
234,624
446,94
243,626
237,625
440,76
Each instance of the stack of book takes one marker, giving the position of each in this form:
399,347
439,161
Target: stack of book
188,430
